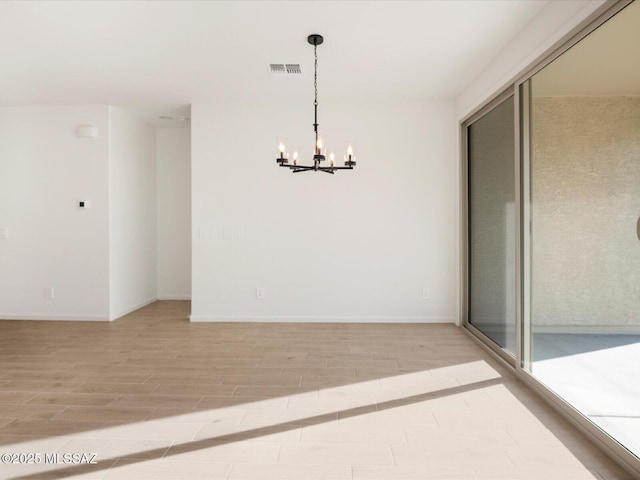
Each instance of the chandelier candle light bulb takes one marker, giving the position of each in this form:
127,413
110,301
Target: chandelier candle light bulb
283,157
320,145
350,158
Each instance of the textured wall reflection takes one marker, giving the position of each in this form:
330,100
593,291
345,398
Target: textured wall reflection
585,193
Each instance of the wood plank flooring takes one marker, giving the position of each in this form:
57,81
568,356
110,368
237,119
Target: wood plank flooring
157,397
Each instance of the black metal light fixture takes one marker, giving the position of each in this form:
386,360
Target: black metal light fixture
319,151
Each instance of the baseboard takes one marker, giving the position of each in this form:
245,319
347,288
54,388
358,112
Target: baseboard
318,319
77,318
174,297
133,309
593,329
57,318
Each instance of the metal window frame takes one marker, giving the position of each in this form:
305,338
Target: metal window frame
519,88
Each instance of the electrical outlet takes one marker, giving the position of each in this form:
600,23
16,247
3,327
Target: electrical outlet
425,294
49,293
4,233
261,293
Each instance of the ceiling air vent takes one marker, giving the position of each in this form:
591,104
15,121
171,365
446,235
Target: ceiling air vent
285,70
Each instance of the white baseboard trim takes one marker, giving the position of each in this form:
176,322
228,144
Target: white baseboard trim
174,297
133,309
317,319
57,318
594,329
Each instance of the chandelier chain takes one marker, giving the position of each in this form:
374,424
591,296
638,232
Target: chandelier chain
315,74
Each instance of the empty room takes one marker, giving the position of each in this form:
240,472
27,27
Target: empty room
339,240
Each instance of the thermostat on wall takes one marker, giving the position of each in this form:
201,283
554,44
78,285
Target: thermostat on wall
86,131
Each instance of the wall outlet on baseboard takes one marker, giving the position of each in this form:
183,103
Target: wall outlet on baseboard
261,293
49,293
425,294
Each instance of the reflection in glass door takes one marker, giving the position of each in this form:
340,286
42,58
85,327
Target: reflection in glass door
582,246
491,225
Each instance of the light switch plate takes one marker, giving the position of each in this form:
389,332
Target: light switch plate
233,232
206,233
4,233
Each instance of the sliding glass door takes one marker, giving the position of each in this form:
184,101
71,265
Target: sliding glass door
553,233
492,225
582,207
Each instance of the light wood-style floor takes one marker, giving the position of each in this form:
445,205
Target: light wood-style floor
156,397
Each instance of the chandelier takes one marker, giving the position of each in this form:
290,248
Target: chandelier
319,151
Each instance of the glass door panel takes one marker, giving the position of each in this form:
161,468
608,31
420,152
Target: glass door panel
491,227
581,209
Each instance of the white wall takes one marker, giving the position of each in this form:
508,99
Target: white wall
555,20
132,199
173,170
44,171
358,245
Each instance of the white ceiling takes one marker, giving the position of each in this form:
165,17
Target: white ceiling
605,63
182,52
